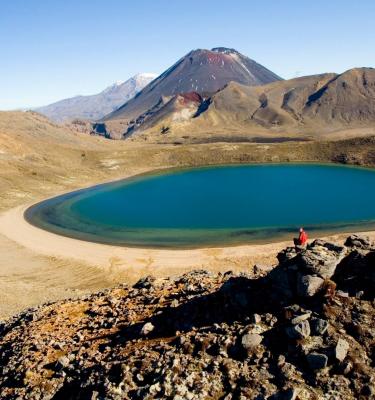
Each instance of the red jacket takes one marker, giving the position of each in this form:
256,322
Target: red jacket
302,238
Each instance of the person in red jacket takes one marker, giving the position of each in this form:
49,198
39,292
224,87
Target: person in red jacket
302,238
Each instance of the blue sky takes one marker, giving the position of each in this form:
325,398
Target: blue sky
52,49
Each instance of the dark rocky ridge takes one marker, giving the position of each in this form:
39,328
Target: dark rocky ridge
303,331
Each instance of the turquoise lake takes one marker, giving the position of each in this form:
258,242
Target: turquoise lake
219,205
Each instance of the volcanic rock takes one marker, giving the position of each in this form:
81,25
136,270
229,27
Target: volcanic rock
341,349
299,331
321,258
308,285
360,242
317,361
147,329
230,336
145,283
251,341
318,326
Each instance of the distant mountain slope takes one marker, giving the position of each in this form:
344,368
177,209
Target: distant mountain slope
200,71
96,106
308,107
319,100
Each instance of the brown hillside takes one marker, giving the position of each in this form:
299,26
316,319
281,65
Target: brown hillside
325,106
201,71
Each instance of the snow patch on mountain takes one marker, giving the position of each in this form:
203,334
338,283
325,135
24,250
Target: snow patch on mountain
96,106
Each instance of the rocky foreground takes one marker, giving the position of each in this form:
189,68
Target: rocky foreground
305,330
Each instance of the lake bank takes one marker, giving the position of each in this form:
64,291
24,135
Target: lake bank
214,206
43,266
38,164
118,264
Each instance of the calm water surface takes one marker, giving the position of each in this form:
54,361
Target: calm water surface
214,206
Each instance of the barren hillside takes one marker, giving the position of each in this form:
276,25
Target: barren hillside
327,106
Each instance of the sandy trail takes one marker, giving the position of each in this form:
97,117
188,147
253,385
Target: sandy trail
38,266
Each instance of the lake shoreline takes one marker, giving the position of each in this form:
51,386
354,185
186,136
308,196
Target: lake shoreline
228,236
113,264
97,265
14,226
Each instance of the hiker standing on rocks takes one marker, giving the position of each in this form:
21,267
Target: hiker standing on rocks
302,238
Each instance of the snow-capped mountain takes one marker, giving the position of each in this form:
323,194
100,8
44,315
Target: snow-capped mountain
201,71
96,106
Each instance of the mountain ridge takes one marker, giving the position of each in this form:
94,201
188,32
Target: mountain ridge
93,107
312,107
201,71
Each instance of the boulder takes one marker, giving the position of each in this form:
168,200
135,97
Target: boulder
341,349
286,255
175,303
145,283
262,269
318,326
320,258
250,341
282,281
360,242
299,318
255,318
303,273
299,331
357,273
147,328
308,285
317,360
